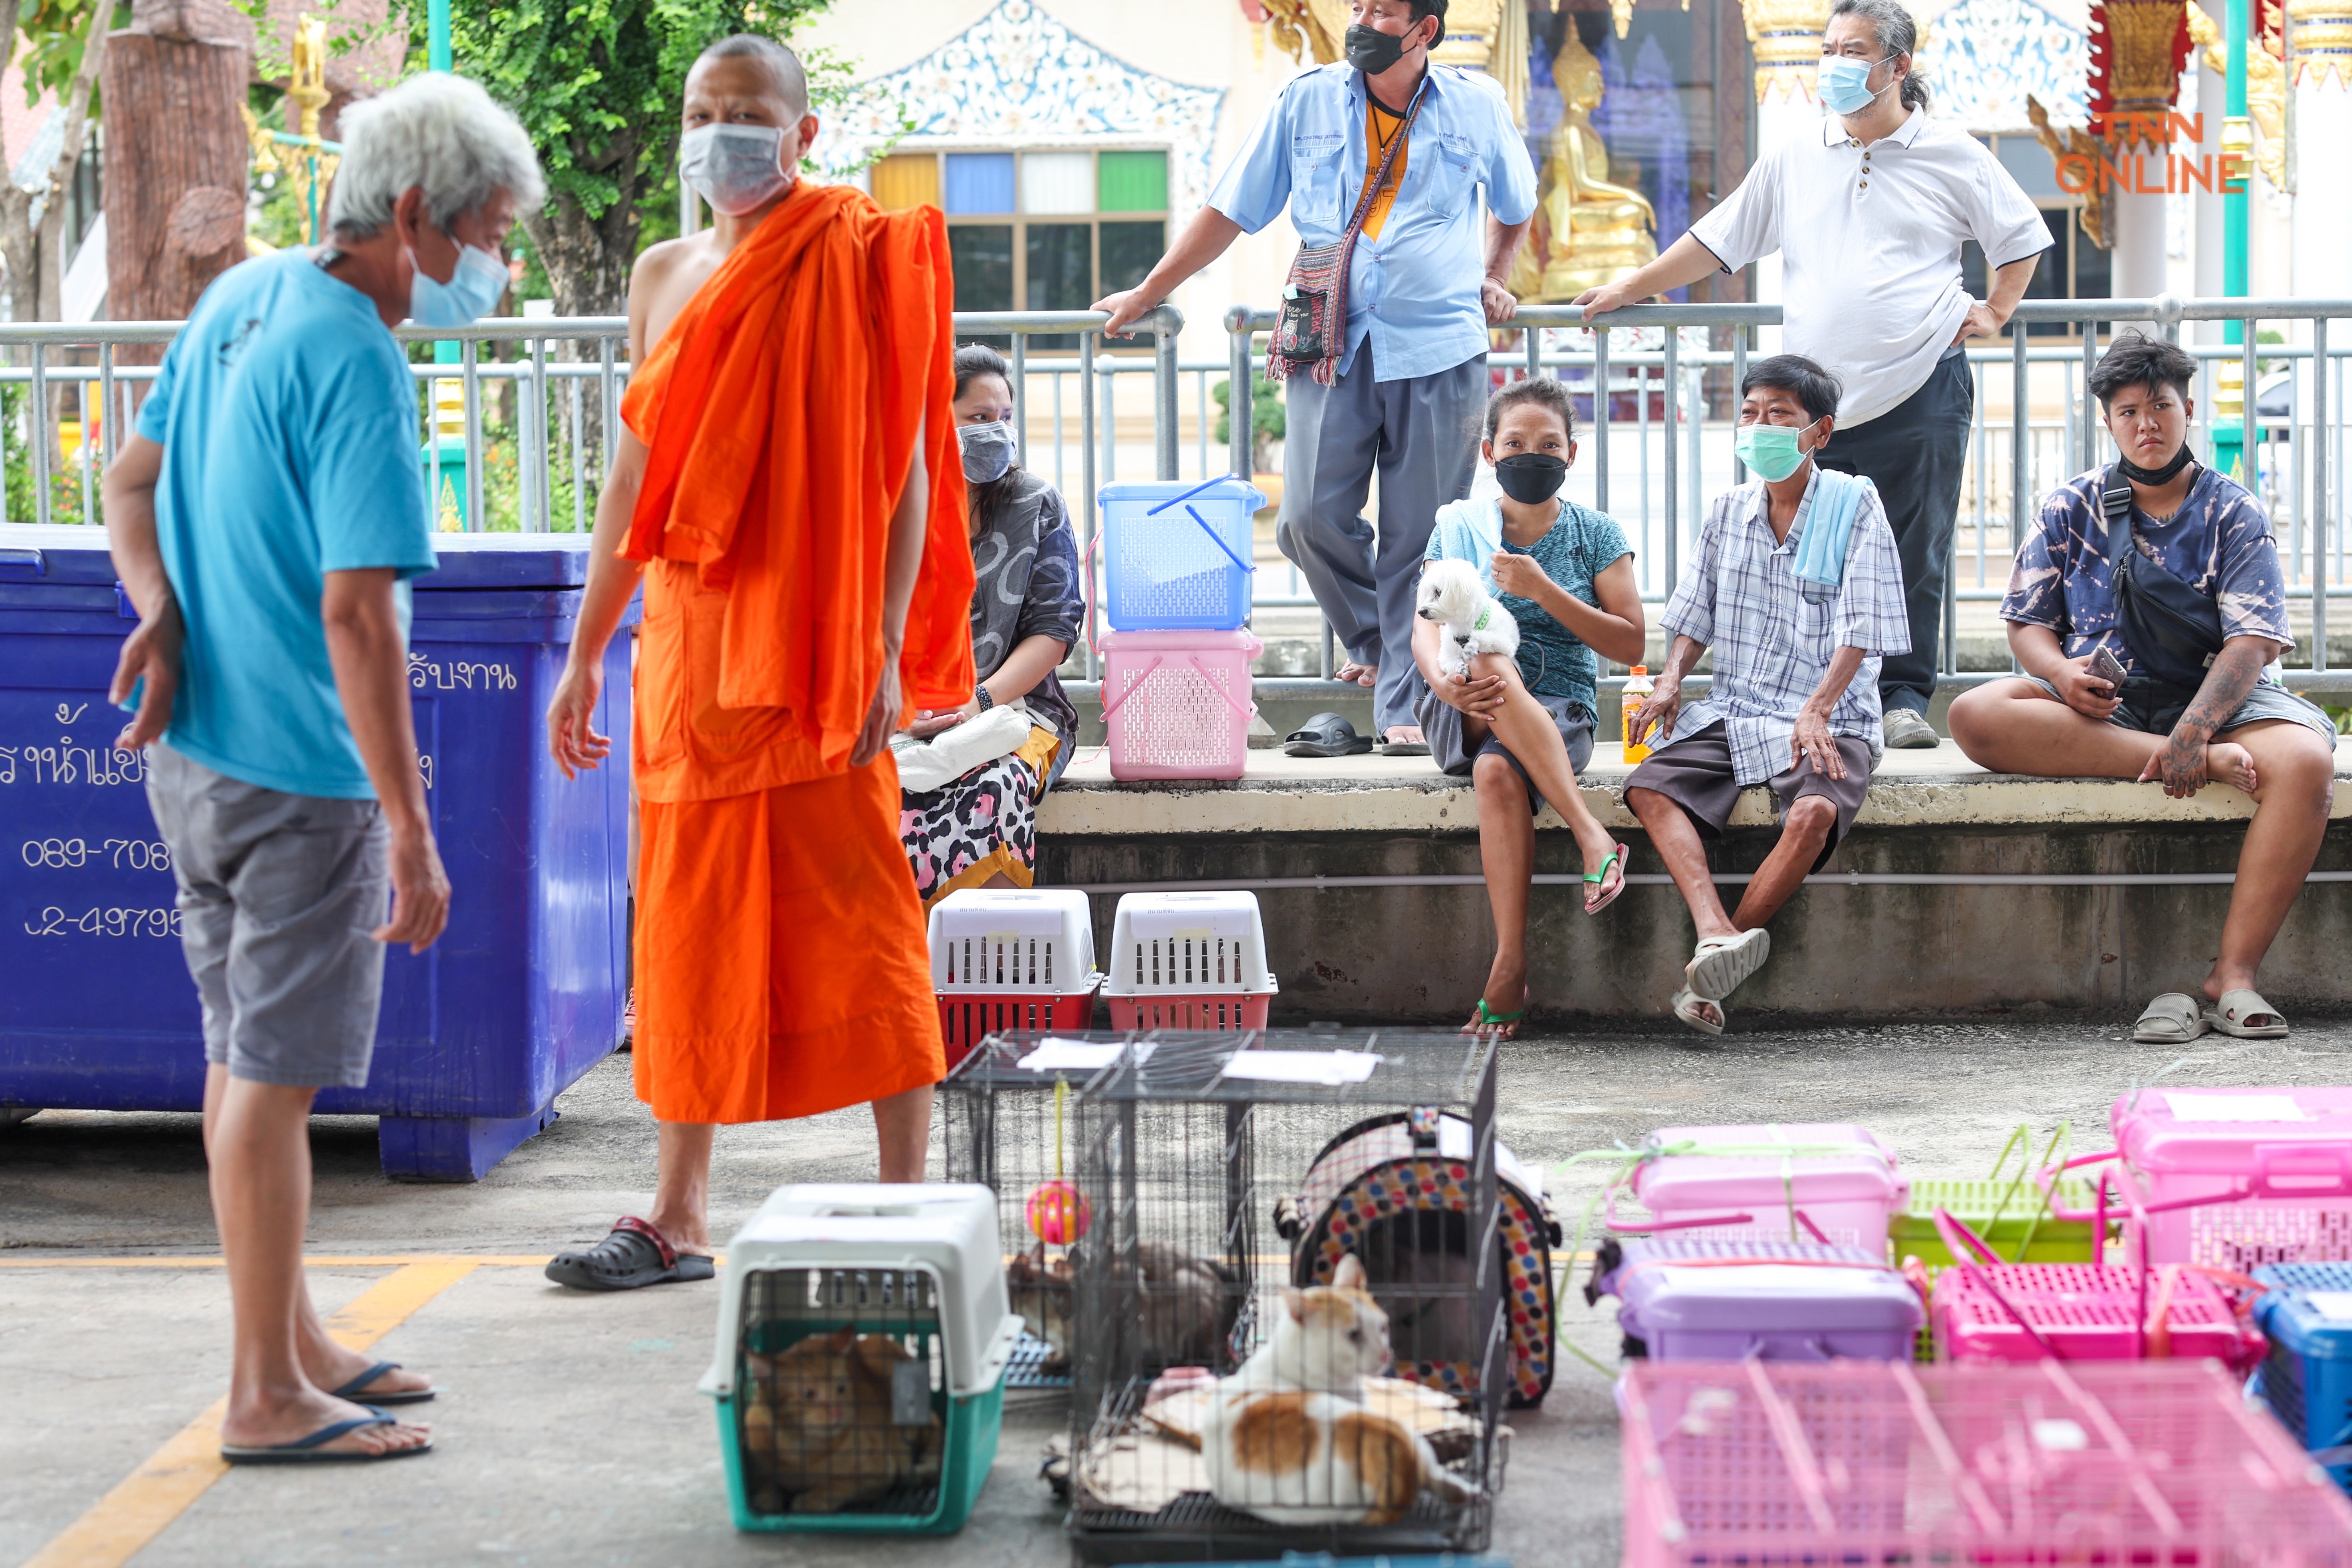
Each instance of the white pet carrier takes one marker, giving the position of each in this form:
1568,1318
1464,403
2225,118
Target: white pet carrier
1012,960
1189,961
918,1265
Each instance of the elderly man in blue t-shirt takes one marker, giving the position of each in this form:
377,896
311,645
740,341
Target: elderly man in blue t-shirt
2182,714
265,518
1405,378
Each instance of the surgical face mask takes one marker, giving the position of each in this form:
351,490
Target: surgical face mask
987,451
1531,478
1371,51
471,293
1844,84
1771,449
733,168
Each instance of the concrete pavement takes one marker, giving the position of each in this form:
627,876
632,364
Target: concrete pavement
570,1432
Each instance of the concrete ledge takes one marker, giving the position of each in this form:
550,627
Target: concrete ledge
1959,891
1373,794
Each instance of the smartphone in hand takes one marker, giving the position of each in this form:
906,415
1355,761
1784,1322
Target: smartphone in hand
2107,667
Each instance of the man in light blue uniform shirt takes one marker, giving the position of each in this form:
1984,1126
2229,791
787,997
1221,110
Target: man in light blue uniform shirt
265,518
1423,291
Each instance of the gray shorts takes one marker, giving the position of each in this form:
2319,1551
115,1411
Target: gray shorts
2144,711
1441,726
1696,773
277,894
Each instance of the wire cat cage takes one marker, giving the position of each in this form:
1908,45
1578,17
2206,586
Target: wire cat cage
1189,1144
1013,1128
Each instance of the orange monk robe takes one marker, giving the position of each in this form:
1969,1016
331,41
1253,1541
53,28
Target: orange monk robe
781,959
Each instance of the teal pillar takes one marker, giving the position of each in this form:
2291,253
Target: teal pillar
2223,419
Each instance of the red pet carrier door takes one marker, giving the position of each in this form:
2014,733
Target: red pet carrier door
1372,1186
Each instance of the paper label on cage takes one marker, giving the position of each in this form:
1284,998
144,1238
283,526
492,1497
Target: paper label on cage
910,1393
1330,1068
2060,1435
2187,1107
1055,1055
2336,1306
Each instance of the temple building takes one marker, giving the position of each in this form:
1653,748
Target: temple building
1065,139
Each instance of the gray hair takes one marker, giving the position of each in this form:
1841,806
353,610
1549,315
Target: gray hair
1897,35
438,132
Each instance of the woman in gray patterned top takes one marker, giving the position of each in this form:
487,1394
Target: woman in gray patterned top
980,830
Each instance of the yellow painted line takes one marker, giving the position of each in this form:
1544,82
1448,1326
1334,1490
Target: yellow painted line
145,1503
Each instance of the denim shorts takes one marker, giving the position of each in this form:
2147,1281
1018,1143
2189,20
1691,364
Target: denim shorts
2156,715
1441,726
277,895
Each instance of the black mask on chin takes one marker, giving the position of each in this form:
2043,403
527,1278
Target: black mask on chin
1531,478
2153,477
1371,51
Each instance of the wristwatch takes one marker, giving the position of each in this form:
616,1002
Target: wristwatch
980,695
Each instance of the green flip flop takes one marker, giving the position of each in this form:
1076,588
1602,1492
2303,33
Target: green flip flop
1616,857
1486,1019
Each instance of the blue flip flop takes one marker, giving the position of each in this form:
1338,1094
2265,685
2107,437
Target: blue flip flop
351,1390
310,1450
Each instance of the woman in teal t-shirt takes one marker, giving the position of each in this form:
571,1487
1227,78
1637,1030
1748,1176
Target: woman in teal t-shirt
1521,729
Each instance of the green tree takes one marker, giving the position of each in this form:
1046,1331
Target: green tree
1268,418
597,84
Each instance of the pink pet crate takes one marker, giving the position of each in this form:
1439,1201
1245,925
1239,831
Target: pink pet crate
1880,1462
1988,1310
1178,704
2232,1178
1828,1182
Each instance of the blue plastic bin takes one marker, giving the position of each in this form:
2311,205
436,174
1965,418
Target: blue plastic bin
524,991
2307,1379
1176,556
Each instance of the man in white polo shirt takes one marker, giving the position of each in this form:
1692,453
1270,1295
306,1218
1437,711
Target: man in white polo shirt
1869,217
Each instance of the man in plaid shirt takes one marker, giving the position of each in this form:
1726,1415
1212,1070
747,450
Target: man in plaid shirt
1798,626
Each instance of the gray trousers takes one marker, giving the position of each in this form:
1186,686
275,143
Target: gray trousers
1422,433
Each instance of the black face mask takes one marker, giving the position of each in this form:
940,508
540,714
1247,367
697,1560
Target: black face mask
1531,478
1371,51
2153,477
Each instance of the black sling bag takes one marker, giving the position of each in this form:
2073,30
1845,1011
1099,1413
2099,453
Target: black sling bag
2173,631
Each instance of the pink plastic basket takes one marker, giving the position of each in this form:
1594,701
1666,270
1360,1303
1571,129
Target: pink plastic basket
1877,1462
1829,1183
1988,1310
1178,704
2230,1178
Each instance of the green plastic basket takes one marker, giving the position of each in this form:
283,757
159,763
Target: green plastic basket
971,1423
2008,1210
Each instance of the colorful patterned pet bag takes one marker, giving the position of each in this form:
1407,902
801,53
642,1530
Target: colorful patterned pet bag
1397,1190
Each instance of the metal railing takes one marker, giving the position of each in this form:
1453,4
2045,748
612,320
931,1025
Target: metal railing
1654,385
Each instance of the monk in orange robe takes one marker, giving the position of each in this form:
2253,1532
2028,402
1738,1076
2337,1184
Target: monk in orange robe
788,491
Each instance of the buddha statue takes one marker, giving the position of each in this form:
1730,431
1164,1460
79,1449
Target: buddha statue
1598,231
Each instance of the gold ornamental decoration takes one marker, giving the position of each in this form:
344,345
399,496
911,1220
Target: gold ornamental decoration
1488,35
1786,37
308,163
2082,144
2265,81
2323,42
1300,34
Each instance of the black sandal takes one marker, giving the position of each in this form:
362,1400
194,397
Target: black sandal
634,1255
1326,735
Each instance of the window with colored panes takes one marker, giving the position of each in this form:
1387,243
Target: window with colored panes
1048,229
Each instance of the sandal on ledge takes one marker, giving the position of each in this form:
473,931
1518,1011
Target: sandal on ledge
634,1255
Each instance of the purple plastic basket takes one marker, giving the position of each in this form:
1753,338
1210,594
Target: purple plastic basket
1781,1300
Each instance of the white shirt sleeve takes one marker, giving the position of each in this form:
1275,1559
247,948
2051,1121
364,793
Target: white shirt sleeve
1746,224
2003,219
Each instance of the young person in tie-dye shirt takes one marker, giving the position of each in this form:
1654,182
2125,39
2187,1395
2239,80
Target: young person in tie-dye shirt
2237,726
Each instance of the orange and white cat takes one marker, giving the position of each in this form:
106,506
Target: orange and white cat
818,1428
1287,1438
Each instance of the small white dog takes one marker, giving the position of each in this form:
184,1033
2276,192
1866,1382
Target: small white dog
1453,595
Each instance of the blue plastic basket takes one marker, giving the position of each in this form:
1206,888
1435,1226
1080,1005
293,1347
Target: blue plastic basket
1176,556
2307,1379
